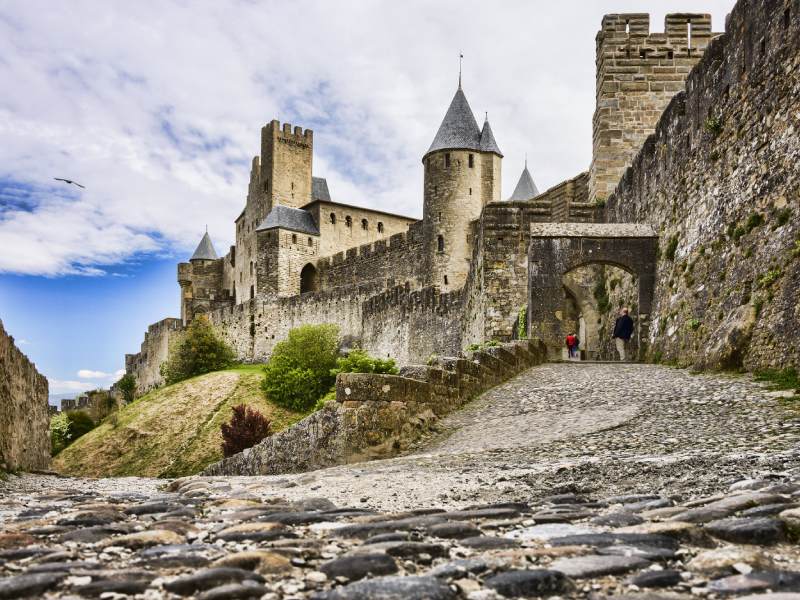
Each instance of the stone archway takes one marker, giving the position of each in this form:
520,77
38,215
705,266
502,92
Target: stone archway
557,248
309,279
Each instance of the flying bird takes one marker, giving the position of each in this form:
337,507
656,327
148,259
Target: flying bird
69,181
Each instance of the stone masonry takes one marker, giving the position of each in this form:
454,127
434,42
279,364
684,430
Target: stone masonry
24,412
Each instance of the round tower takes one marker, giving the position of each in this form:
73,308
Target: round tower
462,174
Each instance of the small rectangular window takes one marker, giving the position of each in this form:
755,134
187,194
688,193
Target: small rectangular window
787,17
471,161
447,160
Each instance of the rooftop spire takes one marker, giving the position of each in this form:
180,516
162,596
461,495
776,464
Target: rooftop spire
459,129
205,249
460,59
526,188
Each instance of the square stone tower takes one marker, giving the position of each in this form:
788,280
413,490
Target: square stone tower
286,158
638,72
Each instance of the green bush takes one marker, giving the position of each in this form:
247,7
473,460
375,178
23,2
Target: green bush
770,277
195,352
127,385
522,323
358,361
66,427
299,371
780,379
753,221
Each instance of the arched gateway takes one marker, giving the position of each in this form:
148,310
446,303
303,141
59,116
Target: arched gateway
557,248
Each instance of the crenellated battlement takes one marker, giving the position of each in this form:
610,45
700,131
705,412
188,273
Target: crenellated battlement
287,133
682,31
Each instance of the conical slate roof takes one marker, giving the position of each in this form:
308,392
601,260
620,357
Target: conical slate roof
526,188
487,141
459,129
205,250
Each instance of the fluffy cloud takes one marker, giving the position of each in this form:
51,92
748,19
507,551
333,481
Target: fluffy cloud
156,107
89,374
66,386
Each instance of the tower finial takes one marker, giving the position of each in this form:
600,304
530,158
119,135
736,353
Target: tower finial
206,228
526,160
460,58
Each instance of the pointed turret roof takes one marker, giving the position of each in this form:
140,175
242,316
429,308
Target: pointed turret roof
205,250
459,129
526,188
487,142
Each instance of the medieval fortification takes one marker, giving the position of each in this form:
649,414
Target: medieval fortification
692,190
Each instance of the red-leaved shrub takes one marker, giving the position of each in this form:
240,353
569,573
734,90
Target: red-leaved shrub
246,428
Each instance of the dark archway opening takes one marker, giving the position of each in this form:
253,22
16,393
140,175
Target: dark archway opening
309,279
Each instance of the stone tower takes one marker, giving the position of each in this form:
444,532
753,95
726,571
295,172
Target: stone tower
638,72
202,288
286,157
462,174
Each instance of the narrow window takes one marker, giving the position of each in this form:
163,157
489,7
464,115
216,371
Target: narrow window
380,227
251,268
470,191
348,221
293,185
333,218
642,53
440,243
763,46
445,279
364,224
627,26
670,54
787,17
471,161
310,242
294,238
689,37
252,292
446,160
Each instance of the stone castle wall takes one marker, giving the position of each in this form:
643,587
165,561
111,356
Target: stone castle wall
24,410
720,180
638,72
145,365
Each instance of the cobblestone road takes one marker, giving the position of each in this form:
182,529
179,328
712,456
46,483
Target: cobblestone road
572,480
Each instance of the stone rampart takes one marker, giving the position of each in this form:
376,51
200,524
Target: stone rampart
719,178
24,411
145,365
377,416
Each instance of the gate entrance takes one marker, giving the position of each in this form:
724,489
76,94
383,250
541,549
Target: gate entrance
555,249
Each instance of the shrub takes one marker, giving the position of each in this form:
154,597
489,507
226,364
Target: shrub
358,361
672,246
246,428
127,385
780,379
522,323
782,217
80,424
197,351
770,277
753,221
694,324
299,371
713,125
59,433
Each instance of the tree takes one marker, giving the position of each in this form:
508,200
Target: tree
247,427
299,371
127,385
197,351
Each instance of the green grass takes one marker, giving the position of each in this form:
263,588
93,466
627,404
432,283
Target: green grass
172,431
779,379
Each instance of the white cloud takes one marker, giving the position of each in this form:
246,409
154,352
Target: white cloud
119,373
159,117
89,374
65,386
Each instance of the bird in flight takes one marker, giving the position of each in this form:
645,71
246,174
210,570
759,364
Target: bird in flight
70,181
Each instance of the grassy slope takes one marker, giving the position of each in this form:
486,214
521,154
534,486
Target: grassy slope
172,431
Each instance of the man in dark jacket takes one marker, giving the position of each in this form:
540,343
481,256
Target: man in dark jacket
623,330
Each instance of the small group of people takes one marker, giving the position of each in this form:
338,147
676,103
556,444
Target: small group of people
623,331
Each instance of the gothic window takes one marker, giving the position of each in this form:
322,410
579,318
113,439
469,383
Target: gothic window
471,161
380,227
310,242
446,160
348,221
364,224
294,238
333,218
440,243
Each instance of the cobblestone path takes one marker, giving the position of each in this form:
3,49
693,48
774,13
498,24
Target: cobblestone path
571,480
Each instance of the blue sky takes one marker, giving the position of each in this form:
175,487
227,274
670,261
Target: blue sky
156,107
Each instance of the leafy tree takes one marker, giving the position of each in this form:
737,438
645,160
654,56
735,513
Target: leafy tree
80,424
358,361
197,351
247,427
299,371
59,432
127,385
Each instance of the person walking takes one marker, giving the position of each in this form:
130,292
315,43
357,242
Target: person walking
623,330
572,344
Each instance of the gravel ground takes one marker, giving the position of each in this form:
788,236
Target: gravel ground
688,483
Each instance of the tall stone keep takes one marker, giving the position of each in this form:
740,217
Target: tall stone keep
461,175
638,73
286,157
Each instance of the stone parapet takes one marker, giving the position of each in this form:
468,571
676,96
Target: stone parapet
378,415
